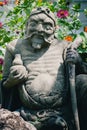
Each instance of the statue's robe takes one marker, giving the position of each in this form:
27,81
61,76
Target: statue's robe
45,85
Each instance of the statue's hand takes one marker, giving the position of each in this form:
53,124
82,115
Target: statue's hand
18,74
72,56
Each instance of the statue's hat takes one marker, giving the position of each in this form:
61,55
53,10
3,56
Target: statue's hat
44,10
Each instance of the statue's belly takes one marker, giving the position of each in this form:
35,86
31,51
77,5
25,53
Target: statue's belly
45,85
45,91
42,84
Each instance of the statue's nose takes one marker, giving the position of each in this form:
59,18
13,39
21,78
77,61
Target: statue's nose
40,28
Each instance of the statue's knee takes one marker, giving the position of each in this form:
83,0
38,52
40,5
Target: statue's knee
57,123
81,82
81,87
81,79
61,123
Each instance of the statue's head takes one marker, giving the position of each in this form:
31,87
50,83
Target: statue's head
40,28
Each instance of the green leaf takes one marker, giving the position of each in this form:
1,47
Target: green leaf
6,38
76,7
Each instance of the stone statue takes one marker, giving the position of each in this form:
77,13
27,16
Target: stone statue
35,76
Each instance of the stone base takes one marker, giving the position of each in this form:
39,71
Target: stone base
13,121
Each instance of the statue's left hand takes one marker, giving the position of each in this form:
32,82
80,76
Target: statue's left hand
72,56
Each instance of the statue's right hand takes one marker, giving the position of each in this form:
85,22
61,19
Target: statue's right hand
18,71
18,74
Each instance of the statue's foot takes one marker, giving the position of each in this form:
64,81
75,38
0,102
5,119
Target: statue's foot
61,122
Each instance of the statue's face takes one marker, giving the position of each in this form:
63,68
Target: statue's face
40,30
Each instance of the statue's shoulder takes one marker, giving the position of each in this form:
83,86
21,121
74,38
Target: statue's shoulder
61,43
14,43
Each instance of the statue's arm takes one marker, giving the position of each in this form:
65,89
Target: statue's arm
72,55
13,73
8,59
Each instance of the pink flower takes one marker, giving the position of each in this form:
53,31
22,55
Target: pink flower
1,61
5,2
1,24
62,13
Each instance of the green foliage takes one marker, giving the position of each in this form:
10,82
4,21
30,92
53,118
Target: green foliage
14,23
83,47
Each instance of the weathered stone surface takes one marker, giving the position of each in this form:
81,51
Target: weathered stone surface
36,78
13,121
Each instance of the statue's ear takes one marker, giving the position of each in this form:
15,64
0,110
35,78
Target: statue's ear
56,27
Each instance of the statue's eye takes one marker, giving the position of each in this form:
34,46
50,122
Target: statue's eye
48,26
33,24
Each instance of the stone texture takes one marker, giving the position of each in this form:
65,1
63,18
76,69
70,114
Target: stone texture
13,121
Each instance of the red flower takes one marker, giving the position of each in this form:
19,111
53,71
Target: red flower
85,29
1,61
1,3
68,38
62,13
1,25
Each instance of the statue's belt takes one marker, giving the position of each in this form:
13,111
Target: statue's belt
40,115
43,117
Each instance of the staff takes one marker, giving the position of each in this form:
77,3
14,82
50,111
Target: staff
71,78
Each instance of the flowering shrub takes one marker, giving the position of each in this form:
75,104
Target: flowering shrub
67,19
70,24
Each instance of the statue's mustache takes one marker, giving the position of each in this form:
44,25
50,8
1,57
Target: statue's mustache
40,35
36,33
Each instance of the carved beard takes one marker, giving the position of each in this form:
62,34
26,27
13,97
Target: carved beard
39,41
